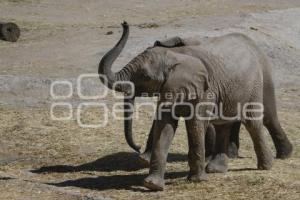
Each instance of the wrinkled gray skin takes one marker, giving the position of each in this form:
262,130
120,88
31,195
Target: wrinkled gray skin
283,146
240,75
233,146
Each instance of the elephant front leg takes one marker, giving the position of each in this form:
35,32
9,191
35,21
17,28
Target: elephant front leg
163,134
196,157
210,138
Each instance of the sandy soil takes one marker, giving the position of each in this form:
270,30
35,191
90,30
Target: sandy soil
45,159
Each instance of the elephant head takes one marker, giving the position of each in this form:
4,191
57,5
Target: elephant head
149,72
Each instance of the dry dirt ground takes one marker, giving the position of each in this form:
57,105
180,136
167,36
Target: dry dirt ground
45,159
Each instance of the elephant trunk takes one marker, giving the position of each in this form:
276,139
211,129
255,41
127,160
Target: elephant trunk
108,59
128,111
123,75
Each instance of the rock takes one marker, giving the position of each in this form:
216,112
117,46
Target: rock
109,33
253,28
148,25
9,32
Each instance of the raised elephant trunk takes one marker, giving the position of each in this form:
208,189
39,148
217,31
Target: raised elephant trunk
108,59
123,75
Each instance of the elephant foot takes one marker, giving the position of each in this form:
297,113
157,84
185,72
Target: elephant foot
219,164
232,150
144,159
285,152
265,164
198,177
154,182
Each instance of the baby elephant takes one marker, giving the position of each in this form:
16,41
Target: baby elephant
217,85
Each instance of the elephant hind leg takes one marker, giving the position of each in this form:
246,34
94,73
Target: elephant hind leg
282,144
233,146
219,161
210,140
263,153
234,143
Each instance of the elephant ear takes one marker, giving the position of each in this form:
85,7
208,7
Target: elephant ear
170,43
187,78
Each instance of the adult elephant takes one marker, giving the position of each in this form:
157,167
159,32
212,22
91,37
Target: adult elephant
283,151
239,76
282,144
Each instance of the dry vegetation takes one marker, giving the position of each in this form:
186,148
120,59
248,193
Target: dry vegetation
98,162
45,159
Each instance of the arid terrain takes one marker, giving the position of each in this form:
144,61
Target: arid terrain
42,158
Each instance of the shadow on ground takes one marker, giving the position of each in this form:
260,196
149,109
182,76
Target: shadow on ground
122,161
243,169
126,182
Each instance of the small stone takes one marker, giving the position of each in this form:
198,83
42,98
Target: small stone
253,28
109,33
148,25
